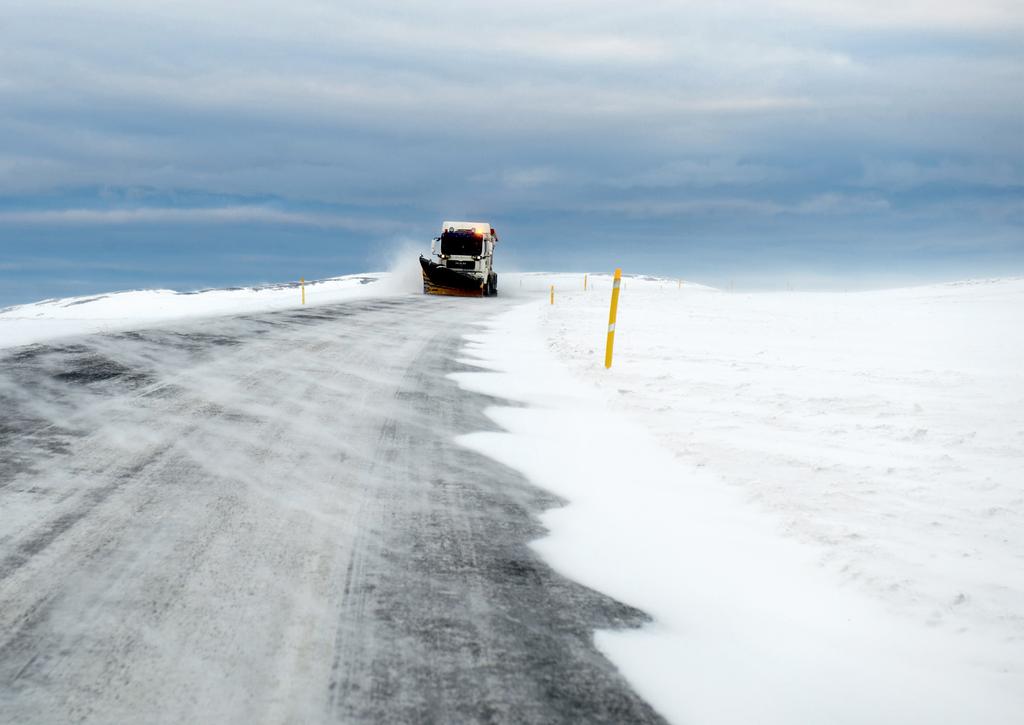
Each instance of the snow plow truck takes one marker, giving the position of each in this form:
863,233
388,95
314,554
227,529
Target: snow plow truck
462,261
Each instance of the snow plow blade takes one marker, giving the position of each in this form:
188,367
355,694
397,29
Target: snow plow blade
438,280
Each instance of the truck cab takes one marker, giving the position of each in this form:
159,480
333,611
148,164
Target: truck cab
462,260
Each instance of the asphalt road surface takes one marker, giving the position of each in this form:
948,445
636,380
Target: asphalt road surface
265,519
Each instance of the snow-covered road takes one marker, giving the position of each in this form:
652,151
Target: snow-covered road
265,518
352,511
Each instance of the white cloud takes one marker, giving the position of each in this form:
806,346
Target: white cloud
580,47
528,178
821,204
686,207
913,14
832,203
698,173
200,215
904,174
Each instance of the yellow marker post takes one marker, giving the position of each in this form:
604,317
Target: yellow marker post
611,318
680,284
552,294
302,283
584,283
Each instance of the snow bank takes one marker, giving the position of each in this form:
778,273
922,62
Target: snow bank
38,321
817,496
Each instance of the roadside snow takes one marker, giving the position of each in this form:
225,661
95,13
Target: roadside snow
48,319
817,496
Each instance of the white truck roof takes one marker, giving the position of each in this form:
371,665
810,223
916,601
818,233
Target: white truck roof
479,227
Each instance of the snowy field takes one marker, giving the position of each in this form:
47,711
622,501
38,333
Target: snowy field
819,497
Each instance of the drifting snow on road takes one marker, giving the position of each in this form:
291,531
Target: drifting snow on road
266,519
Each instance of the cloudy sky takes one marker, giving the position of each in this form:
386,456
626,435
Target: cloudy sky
816,142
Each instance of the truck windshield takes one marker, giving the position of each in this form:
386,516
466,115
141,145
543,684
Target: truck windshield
462,241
